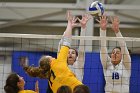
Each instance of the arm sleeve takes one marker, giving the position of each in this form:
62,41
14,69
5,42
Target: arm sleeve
64,41
64,49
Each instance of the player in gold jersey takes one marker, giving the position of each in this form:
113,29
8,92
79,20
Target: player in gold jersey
15,84
56,70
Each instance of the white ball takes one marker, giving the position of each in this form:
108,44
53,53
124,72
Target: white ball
96,8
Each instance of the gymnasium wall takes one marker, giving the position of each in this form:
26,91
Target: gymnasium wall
93,76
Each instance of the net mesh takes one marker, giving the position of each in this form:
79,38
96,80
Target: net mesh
18,48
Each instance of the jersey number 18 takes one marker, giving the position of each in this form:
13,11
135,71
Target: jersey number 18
115,75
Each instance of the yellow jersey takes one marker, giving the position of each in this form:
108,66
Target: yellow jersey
60,73
27,91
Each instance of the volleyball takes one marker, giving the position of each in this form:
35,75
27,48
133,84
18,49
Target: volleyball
96,8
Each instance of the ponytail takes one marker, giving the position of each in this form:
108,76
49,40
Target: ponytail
36,72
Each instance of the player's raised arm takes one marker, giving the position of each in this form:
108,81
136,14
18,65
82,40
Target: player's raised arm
103,52
67,35
70,25
124,50
81,52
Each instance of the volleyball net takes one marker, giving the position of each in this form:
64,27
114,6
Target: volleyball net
17,48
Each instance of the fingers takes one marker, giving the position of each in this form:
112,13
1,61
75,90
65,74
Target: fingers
85,18
79,19
97,20
74,19
68,14
115,19
102,18
71,17
111,19
36,86
37,83
88,17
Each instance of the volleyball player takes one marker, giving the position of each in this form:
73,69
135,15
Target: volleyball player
117,67
81,89
76,59
15,84
56,70
64,89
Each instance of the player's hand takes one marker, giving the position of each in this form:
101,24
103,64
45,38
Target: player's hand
115,24
36,87
103,22
71,20
84,20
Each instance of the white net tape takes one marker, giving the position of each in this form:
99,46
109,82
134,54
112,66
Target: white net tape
74,37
